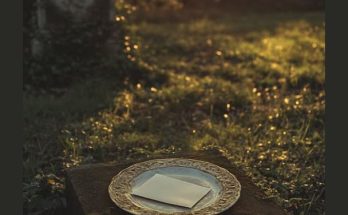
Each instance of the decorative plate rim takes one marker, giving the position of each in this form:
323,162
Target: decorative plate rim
120,184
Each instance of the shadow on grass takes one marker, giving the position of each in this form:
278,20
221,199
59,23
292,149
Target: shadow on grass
49,111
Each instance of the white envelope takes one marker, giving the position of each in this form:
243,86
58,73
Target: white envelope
171,191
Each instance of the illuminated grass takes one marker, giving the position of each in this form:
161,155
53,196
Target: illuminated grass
251,87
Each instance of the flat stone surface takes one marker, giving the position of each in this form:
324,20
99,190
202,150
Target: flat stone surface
87,189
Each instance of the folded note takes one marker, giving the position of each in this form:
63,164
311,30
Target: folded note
171,191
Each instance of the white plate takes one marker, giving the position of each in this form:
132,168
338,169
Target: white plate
225,188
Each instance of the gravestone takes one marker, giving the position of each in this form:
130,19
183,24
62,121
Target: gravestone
50,14
87,188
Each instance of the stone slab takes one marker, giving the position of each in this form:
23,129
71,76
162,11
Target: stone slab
87,189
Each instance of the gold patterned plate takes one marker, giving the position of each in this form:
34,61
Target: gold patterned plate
225,188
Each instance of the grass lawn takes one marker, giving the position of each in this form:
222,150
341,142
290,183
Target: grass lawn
250,86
